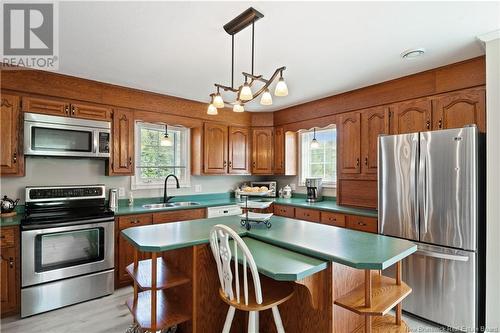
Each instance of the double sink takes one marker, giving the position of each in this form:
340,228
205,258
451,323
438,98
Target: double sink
170,205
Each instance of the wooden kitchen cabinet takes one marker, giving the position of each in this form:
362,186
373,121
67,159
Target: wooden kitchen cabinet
124,252
11,137
455,110
374,122
64,108
349,143
121,162
93,112
179,215
262,150
285,152
9,271
282,210
306,214
362,223
215,152
335,219
411,116
239,150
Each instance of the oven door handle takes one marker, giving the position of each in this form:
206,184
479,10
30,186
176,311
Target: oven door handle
66,224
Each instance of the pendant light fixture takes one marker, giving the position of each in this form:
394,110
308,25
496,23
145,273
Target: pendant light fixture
314,142
166,141
244,93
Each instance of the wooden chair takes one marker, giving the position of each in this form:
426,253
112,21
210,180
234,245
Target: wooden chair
257,296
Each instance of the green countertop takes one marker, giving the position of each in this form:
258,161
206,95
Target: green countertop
11,221
326,205
281,264
348,247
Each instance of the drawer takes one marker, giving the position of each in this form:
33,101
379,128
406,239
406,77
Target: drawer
128,221
307,214
7,238
286,211
362,223
179,215
334,219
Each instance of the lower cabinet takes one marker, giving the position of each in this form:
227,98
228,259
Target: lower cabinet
282,210
362,223
335,219
305,214
9,271
124,252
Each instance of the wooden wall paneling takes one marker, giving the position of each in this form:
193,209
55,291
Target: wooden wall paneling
465,74
411,116
262,119
11,137
291,155
196,150
262,150
455,110
359,193
78,89
215,148
239,150
45,105
374,121
122,152
311,123
348,143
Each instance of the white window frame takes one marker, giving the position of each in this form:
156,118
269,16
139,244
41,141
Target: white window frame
301,180
136,183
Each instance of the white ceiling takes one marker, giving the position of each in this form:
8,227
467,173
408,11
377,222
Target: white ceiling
180,48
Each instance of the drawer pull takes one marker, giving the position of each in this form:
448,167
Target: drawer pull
362,224
11,262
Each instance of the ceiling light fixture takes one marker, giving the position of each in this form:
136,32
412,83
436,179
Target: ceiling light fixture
314,142
244,93
412,53
166,141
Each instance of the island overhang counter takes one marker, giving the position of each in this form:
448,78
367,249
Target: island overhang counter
329,265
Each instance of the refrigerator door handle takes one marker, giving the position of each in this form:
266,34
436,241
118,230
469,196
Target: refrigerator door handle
414,179
440,255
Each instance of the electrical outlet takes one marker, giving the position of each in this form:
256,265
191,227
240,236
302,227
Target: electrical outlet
292,186
197,188
121,191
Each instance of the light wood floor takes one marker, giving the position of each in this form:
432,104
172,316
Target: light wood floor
108,315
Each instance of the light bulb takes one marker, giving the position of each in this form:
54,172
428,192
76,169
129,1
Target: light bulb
281,88
314,144
218,101
212,110
246,92
166,141
266,99
238,108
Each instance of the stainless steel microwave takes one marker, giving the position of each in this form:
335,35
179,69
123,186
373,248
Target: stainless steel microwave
46,135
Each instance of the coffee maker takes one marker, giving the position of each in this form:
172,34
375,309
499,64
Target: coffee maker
314,189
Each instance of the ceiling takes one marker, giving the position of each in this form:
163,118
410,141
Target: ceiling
180,48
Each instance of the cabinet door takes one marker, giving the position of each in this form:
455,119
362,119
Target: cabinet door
215,149
239,150
362,223
349,145
282,210
93,112
412,116
335,219
179,215
122,153
308,214
46,106
279,151
462,108
12,159
8,281
373,123
262,151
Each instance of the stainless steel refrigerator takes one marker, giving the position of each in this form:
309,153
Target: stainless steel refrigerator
429,186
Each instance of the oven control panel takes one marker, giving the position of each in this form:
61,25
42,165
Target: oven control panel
64,192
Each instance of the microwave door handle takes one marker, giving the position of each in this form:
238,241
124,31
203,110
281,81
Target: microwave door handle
440,255
96,141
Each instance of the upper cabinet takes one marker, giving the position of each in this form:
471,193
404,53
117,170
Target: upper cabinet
349,143
374,121
66,109
239,150
412,116
461,108
285,152
12,159
262,150
122,152
215,150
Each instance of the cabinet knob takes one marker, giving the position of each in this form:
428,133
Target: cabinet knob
14,158
253,163
366,161
66,109
362,224
72,110
130,161
357,162
230,164
428,124
440,123
225,163
11,262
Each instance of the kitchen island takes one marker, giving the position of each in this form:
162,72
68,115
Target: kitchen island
328,264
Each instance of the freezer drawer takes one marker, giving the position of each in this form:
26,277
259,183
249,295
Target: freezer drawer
444,286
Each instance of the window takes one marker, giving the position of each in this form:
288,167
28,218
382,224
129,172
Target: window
321,161
154,161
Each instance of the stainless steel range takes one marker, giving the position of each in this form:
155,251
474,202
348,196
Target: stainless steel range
67,250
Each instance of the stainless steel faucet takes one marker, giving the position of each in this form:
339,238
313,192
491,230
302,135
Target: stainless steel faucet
165,197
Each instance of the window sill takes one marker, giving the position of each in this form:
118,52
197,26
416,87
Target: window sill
328,186
156,186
